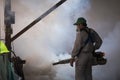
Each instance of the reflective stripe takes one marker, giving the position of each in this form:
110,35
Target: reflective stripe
3,48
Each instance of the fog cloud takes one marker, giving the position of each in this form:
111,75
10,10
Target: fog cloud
52,39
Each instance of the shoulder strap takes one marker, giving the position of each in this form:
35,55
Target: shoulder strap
87,40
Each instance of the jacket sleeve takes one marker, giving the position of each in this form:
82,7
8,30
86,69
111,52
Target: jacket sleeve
97,40
77,45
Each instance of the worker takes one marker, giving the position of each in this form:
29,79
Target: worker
3,51
87,40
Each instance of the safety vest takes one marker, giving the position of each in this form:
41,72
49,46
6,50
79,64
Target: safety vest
3,48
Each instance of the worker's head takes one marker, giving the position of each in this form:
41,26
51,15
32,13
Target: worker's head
81,22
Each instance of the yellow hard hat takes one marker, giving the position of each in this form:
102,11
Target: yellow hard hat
3,48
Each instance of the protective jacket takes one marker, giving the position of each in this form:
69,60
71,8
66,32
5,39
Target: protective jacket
3,48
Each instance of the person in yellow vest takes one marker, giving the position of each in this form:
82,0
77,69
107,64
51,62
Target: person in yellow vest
3,71
3,48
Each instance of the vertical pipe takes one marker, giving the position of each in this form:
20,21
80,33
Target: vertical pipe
8,29
8,20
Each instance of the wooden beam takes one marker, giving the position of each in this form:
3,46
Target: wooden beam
37,20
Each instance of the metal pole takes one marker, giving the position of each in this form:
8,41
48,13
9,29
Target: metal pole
8,30
8,20
37,20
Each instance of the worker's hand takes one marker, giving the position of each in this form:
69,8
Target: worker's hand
72,61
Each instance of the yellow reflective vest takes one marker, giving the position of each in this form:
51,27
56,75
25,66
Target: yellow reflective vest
3,48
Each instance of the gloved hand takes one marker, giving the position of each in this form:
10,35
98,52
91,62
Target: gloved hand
71,62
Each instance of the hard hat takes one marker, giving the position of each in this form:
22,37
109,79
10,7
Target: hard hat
80,20
3,48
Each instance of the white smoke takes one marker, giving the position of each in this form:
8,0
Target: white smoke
106,21
111,48
49,40
53,37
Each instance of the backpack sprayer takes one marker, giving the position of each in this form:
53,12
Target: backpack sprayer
98,59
